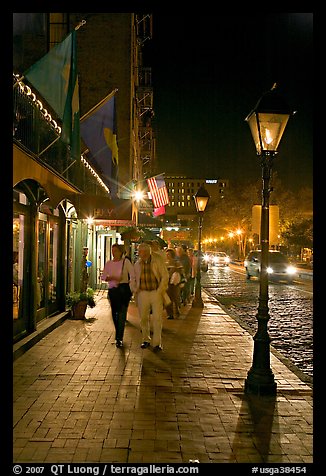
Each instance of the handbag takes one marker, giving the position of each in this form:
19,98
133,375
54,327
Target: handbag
125,291
124,288
182,281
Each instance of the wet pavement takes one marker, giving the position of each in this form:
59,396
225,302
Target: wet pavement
77,398
290,309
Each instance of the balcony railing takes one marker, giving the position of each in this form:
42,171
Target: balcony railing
35,131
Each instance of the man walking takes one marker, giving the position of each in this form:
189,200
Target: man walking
151,284
182,256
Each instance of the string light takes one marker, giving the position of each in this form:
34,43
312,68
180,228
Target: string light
38,103
47,116
98,178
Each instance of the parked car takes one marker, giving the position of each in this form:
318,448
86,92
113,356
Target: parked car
279,267
219,258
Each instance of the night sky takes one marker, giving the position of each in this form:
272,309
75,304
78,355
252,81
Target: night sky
208,72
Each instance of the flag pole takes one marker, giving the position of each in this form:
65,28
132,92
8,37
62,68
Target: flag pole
112,93
157,175
81,23
18,81
50,145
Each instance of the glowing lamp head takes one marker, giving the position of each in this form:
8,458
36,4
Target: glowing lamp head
201,199
267,122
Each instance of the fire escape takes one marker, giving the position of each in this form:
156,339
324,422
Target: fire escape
144,99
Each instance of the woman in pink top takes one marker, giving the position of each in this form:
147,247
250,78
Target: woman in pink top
120,275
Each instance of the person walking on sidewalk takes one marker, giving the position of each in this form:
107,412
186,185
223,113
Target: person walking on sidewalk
182,256
175,270
155,247
193,260
151,284
119,273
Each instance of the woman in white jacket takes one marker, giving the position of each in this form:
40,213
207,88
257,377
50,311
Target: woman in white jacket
151,284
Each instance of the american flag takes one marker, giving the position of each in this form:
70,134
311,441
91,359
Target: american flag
158,191
158,211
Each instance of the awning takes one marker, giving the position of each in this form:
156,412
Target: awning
26,167
111,212
108,211
144,234
147,220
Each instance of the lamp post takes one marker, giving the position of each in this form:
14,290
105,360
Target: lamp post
239,233
267,123
201,199
138,197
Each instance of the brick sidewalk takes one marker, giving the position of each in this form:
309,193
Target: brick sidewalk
77,398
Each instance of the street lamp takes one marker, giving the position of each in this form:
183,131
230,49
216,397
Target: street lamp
267,123
201,199
138,196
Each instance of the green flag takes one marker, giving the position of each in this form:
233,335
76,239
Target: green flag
55,77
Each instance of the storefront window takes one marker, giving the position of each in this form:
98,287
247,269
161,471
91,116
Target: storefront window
53,260
40,288
18,260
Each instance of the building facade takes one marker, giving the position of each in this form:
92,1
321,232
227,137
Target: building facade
181,190
60,204
180,219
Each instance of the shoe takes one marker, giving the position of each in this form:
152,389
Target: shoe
118,343
158,348
145,345
170,317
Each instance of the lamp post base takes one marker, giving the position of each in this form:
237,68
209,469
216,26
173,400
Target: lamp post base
258,384
197,302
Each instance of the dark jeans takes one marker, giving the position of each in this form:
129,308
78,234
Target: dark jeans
174,294
119,300
185,292
192,285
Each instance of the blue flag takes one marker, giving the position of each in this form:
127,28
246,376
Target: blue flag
99,132
55,77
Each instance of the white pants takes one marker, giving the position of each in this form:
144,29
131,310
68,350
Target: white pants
147,301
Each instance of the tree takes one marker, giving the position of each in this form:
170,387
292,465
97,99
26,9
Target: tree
299,234
235,209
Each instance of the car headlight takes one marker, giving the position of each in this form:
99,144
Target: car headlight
227,259
206,258
291,270
269,270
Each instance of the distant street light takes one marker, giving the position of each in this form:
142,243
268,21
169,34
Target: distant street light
201,199
267,123
138,196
